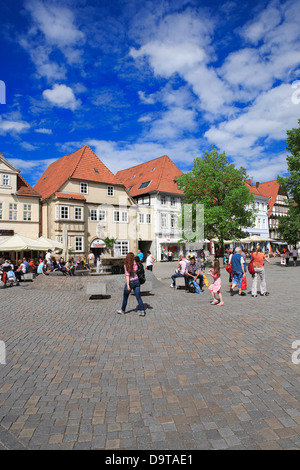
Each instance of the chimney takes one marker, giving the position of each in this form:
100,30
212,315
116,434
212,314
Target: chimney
257,185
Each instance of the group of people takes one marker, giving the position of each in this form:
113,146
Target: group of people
287,254
150,259
68,268
15,273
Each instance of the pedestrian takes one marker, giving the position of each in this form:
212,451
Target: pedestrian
132,282
238,271
49,259
140,255
149,261
295,255
258,262
181,268
170,255
192,273
287,257
91,259
215,288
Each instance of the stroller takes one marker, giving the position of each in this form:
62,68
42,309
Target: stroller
8,278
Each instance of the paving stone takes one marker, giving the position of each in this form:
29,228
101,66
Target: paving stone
186,376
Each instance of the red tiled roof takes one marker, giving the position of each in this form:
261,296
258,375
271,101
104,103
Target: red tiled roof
24,189
256,191
271,189
70,196
78,165
161,173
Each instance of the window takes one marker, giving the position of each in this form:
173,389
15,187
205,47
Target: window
173,221
128,189
143,200
64,212
121,216
97,215
163,200
144,218
78,213
78,243
1,210
27,212
12,214
110,191
5,180
84,188
173,201
144,185
163,220
93,215
121,248
59,238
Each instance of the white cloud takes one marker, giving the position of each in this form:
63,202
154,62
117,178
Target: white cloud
14,127
43,130
56,22
62,96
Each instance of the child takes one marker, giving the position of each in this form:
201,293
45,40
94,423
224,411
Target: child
202,266
215,288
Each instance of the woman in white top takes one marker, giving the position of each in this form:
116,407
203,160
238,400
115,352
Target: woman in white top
149,261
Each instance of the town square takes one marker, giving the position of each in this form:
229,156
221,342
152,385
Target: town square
149,228
186,376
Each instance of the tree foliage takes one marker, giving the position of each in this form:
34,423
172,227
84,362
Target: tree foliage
228,204
291,182
289,226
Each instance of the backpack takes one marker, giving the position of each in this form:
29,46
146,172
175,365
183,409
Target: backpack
194,287
141,273
251,268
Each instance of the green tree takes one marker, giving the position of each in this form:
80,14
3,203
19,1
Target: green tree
289,226
291,182
220,187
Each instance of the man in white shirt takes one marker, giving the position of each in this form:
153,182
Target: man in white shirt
49,259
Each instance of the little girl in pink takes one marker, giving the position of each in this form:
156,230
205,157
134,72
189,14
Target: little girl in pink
215,288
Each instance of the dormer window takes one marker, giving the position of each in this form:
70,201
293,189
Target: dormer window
144,185
84,188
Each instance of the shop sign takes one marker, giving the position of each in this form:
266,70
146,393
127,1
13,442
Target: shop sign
98,243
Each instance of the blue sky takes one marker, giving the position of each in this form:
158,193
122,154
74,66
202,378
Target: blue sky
137,80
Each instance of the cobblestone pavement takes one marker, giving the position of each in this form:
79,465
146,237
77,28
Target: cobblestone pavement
188,375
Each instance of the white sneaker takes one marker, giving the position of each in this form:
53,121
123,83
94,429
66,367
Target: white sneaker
172,286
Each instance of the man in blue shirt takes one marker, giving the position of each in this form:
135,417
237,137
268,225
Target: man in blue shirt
238,271
140,255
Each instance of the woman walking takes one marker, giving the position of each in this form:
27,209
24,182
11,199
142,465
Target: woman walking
258,262
132,282
149,261
215,288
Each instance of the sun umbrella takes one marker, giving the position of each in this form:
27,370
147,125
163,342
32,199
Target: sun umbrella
20,243
50,244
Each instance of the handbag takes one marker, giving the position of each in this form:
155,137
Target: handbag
228,268
244,284
251,268
283,261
